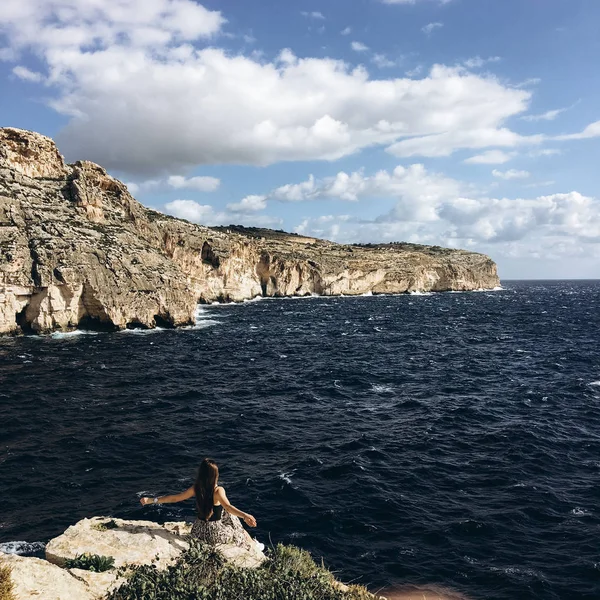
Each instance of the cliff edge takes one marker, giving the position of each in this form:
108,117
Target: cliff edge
77,250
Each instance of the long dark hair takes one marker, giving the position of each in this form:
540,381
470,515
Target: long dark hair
208,474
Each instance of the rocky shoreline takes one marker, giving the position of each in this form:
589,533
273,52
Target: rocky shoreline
163,548
78,251
129,543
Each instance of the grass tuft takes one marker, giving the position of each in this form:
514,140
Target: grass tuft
91,562
6,584
105,526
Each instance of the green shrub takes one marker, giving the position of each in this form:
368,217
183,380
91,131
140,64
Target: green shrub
91,562
201,573
6,584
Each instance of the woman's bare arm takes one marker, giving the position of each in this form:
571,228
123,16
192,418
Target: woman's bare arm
189,493
222,498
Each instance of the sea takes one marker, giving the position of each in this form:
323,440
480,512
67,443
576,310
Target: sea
449,439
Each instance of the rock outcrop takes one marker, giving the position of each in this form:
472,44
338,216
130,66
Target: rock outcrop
77,250
130,543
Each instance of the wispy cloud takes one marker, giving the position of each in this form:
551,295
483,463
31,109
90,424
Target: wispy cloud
591,131
359,47
549,115
26,75
346,31
382,61
313,15
476,62
431,27
511,174
491,157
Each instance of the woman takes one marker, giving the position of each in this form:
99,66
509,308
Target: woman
212,526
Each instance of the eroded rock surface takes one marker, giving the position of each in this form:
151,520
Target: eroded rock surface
77,250
128,542
39,579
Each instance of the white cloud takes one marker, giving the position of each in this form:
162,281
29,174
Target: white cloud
544,152
26,75
200,184
313,15
444,144
491,157
477,62
346,31
415,72
511,174
549,115
205,214
141,98
249,204
430,27
591,131
359,47
382,61
528,82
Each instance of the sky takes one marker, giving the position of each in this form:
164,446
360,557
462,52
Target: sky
470,124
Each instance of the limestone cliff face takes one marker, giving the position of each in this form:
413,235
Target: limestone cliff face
77,250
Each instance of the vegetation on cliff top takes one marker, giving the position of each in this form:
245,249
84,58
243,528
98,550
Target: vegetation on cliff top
6,584
201,573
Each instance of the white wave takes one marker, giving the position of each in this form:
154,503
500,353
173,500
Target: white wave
580,512
381,389
287,477
420,293
369,293
594,383
22,547
140,331
61,335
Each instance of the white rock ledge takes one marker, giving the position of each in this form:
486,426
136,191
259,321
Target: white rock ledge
130,543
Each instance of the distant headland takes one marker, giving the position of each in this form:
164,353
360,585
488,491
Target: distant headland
78,251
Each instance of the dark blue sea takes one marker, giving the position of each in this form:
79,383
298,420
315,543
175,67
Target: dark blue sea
448,438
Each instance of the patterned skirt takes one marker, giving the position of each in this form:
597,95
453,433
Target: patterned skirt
228,530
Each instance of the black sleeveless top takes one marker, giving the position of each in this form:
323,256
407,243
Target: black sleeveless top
217,513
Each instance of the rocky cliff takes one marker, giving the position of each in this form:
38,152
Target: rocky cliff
77,250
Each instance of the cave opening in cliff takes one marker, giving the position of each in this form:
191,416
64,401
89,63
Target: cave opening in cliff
22,322
164,321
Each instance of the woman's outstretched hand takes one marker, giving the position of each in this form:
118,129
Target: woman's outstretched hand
145,501
250,520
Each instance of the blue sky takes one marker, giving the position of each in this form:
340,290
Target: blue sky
464,123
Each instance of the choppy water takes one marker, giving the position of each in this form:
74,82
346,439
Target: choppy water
446,438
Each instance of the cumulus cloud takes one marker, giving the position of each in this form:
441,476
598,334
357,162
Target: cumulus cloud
205,214
511,174
143,95
491,157
249,204
200,184
434,209
346,31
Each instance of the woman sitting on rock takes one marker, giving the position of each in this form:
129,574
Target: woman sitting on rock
212,525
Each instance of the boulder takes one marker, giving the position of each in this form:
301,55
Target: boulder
136,543
35,578
130,543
